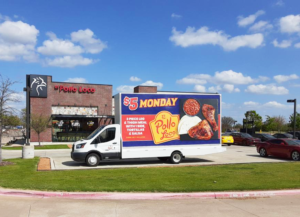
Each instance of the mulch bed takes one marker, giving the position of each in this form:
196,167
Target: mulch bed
6,163
44,164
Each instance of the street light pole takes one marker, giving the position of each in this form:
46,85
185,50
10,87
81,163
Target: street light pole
295,104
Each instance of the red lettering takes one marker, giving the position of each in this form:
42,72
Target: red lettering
74,89
55,87
93,90
84,90
61,88
89,90
80,89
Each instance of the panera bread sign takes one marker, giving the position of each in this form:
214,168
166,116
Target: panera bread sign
71,89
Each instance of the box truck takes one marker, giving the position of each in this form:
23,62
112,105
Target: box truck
168,126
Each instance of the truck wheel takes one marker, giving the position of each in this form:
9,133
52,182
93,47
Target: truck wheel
92,160
164,159
176,157
263,152
295,155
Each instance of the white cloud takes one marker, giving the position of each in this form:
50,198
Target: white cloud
270,89
134,78
20,96
76,80
194,79
152,83
245,21
125,89
17,41
228,88
199,88
88,40
279,3
297,45
176,16
261,26
274,104
284,78
5,18
290,24
203,36
231,77
51,35
262,79
59,47
18,32
283,44
251,103
69,61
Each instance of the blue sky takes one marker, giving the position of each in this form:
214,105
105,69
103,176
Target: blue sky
246,50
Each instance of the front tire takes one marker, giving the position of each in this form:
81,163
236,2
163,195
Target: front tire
176,157
295,156
263,152
92,160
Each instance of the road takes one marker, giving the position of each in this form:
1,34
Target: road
41,207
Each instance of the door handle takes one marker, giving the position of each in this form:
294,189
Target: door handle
114,143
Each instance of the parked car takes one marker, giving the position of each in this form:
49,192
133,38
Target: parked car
227,139
286,148
263,136
283,136
297,134
244,139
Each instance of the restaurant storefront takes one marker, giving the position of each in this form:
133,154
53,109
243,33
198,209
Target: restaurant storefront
75,109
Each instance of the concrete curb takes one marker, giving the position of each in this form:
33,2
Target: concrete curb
147,196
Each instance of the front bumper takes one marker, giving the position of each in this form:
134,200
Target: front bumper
78,156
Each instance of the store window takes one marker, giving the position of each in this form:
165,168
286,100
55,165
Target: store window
72,129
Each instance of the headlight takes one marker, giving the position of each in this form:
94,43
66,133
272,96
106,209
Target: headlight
80,145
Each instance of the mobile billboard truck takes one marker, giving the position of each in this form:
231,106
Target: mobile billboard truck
169,126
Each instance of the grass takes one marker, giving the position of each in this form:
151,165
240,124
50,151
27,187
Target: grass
38,147
263,176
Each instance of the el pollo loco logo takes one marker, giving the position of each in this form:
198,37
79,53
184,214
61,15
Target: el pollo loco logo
164,127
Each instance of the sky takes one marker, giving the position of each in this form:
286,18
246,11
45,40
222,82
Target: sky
246,50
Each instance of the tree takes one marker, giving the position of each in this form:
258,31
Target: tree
23,117
280,122
253,116
39,123
7,96
238,126
291,122
11,120
227,123
270,124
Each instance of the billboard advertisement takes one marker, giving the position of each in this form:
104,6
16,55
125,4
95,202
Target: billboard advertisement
167,119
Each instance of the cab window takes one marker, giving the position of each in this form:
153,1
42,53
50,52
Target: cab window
106,136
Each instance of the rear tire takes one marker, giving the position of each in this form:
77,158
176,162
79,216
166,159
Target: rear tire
92,160
229,144
295,156
263,152
176,157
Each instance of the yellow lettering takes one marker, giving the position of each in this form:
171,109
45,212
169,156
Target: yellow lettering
143,104
163,102
168,102
156,102
174,101
150,102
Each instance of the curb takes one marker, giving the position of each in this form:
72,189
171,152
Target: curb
148,196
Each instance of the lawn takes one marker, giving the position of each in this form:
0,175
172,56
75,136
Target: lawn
263,176
38,147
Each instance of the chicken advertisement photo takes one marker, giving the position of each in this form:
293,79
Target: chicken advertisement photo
166,119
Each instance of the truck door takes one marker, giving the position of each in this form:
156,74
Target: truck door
108,143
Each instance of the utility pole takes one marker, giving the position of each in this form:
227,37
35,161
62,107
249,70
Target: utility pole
27,89
295,104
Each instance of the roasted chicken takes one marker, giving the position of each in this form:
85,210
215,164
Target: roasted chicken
201,131
209,113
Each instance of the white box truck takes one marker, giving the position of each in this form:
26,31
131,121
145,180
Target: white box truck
169,126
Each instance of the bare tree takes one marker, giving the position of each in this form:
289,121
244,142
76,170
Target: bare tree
227,123
7,96
39,123
280,122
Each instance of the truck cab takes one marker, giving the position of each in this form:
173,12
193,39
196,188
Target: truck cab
103,143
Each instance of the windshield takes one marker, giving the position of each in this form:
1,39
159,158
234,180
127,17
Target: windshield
95,132
269,136
289,135
292,142
246,135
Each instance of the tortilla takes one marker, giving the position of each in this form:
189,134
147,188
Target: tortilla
187,122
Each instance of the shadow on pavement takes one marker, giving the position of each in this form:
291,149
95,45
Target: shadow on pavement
137,162
270,157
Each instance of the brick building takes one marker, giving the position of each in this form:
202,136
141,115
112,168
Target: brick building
75,109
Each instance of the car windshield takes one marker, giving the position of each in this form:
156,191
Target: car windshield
95,132
288,135
292,142
246,135
269,136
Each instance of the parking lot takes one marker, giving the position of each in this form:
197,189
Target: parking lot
234,154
